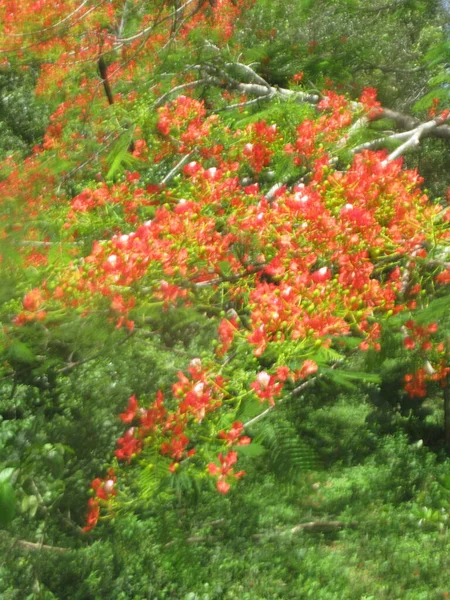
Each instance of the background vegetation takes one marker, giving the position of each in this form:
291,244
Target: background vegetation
347,486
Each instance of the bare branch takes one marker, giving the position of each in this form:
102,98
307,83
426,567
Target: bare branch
381,141
274,189
41,244
313,526
243,104
178,88
414,139
122,19
294,392
151,27
247,69
258,417
35,546
177,167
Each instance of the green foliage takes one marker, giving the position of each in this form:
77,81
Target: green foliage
7,498
332,453
290,456
22,117
244,547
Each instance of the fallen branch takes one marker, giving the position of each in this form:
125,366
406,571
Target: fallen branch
381,141
35,546
247,69
415,136
311,526
262,89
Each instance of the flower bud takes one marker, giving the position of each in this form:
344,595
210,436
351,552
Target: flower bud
263,379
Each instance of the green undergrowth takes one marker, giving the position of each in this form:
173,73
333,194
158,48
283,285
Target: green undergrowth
380,530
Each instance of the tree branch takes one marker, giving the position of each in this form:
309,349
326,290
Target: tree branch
177,167
311,526
294,392
262,90
423,130
151,27
35,546
178,88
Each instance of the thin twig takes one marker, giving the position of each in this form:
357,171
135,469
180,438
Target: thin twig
177,167
178,88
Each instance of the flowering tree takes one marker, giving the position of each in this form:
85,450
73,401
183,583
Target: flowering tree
177,183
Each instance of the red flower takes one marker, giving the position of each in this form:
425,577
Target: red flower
128,445
308,368
192,168
283,373
93,515
33,300
267,387
225,471
415,384
104,488
176,446
132,408
153,416
321,275
233,436
222,486
369,101
409,343
227,330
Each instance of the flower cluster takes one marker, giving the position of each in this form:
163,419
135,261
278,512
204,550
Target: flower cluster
103,490
419,335
234,435
304,268
197,394
225,472
269,387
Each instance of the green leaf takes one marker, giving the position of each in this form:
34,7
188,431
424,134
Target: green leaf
426,101
29,505
249,409
6,474
116,162
119,157
349,341
445,482
434,311
225,268
349,379
20,352
8,503
253,449
58,254
325,354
